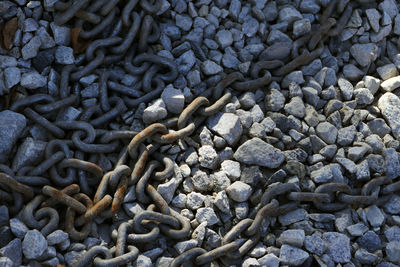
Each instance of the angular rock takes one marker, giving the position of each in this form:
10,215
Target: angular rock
389,104
227,125
364,54
338,246
34,244
239,191
391,84
11,126
292,256
258,152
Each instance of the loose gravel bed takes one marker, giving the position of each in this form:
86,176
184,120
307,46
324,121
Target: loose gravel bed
215,133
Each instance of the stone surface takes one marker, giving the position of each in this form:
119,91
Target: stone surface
391,84
11,127
389,104
173,99
258,152
338,246
364,54
29,153
227,125
292,256
206,215
33,80
239,191
34,244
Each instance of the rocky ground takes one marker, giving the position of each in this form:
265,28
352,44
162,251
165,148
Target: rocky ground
296,165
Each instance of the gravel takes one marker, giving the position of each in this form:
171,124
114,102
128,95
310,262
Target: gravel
332,118
34,244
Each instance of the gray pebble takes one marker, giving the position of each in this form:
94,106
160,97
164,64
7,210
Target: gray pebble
34,244
292,256
239,191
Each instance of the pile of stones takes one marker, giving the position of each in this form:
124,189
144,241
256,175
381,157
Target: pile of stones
335,119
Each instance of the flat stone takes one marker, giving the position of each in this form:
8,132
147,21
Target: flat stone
184,22
239,191
224,38
364,54
208,157
315,244
18,228
296,107
258,152
292,256
12,76
173,99
13,251
289,14
184,246
357,229
34,244
46,40
185,62
389,104
393,251
322,175
373,16
391,84
64,55
11,126
293,216
327,132
293,237
372,83
387,71
370,241
29,153
338,246
31,49
250,27
56,237
6,62
389,7
274,100
206,215
202,181
231,168
227,125
155,112
393,234
363,96
393,205
375,216
210,67
365,257
222,202
269,260
33,80
61,34
6,262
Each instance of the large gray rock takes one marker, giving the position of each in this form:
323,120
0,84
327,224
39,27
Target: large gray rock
391,84
389,104
11,126
364,54
29,153
258,152
227,125
34,244
338,246
13,251
239,191
292,256
173,99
